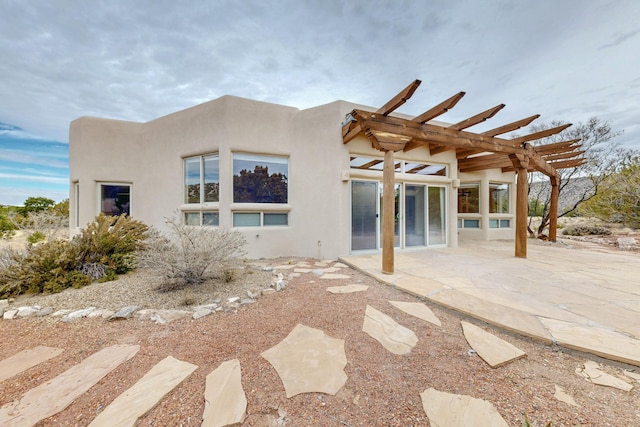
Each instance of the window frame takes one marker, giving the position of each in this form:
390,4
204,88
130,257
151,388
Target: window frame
258,158
202,183
201,214
100,202
495,203
261,223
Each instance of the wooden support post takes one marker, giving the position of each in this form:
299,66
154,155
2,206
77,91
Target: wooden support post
521,163
553,209
388,212
522,208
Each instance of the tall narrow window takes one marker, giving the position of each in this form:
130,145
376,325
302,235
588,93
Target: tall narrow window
201,179
260,178
469,198
498,198
115,199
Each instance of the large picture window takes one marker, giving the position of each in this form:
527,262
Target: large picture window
469,198
201,179
498,198
260,178
115,199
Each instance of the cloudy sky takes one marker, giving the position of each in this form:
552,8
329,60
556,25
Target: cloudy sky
141,59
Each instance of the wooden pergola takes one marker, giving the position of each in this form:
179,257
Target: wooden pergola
474,151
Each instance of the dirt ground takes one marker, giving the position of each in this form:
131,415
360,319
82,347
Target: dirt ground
382,389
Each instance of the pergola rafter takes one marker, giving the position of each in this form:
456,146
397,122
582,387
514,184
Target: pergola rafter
474,151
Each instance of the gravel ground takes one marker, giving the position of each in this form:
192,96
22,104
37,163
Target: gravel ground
382,389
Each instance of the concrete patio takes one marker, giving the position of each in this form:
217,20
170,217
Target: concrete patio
584,300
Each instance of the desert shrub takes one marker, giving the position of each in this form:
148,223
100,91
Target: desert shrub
36,237
101,251
7,227
111,241
586,230
48,267
186,255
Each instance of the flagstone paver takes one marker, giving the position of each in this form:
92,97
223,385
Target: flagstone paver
562,396
145,394
308,360
225,402
493,350
53,396
26,359
591,371
454,410
334,276
347,289
417,309
595,340
393,336
578,299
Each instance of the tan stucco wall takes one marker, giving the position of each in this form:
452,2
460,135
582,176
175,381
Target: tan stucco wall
150,157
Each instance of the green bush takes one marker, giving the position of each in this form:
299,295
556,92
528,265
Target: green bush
36,237
6,227
586,230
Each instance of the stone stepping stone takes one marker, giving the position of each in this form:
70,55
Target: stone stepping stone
454,410
493,350
334,276
53,396
393,336
308,361
591,371
144,394
225,402
26,359
417,309
347,289
562,396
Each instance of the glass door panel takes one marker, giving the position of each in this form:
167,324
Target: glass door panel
437,218
414,215
396,214
364,215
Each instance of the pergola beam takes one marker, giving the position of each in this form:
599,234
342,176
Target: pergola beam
478,118
433,133
541,134
511,126
399,99
439,109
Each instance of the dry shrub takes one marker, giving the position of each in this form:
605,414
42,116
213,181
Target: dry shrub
186,254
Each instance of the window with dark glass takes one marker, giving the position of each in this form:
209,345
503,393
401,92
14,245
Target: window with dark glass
260,178
115,199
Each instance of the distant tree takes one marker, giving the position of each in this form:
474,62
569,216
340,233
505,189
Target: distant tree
602,154
61,208
36,204
618,199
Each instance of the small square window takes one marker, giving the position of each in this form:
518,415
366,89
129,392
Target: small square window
505,223
471,223
494,223
246,219
211,218
276,219
192,218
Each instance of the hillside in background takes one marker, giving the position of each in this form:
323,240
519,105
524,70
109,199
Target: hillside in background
570,194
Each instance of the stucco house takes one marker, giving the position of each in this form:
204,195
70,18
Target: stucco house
284,177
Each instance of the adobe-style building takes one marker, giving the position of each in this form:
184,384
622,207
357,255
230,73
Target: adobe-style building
306,182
